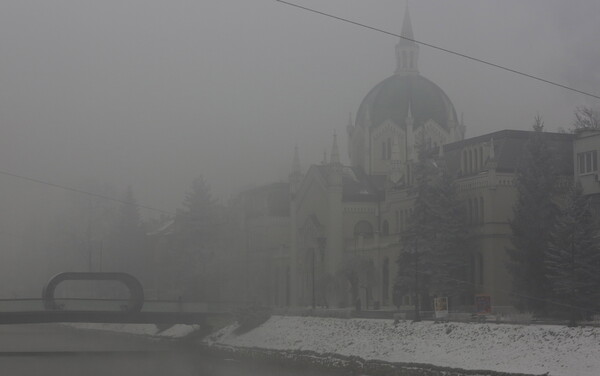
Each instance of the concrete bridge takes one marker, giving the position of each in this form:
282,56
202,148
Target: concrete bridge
136,309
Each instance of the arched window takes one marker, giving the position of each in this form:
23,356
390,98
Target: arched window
389,149
385,283
385,228
383,153
412,59
404,59
397,215
364,229
475,210
481,210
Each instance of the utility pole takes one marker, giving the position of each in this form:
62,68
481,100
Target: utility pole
314,301
417,313
89,234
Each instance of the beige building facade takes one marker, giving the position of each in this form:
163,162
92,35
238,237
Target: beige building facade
343,227
348,222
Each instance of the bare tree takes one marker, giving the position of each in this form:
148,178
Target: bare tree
586,118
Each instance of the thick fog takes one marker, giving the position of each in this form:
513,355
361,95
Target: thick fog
151,94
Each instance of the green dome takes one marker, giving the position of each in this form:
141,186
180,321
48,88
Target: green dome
390,99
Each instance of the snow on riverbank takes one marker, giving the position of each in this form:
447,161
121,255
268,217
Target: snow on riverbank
559,350
175,331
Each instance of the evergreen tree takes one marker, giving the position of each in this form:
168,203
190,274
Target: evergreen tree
573,259
199,205
125,249
534,216
129,220
196,226
435,256
449,238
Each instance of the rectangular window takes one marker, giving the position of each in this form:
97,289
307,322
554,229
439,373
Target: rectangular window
588,162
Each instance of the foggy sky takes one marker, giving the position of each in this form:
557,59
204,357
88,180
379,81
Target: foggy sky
153,93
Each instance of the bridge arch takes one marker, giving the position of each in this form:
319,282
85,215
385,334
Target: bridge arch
136,291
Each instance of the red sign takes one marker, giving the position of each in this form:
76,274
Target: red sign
483,304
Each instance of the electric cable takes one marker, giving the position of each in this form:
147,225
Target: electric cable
472,58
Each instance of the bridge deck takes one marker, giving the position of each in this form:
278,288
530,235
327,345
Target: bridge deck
20,311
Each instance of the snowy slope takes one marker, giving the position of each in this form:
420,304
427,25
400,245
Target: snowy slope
176,331
559,350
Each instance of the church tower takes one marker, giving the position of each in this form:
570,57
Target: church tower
407,50
405,108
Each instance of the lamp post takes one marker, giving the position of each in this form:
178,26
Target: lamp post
314,301
321,241
417,312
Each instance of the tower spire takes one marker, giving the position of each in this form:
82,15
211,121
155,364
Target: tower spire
407,31
407,50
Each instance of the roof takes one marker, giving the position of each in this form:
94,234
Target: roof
509,146
391,97
357,186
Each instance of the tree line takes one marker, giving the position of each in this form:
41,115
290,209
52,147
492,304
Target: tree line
94,233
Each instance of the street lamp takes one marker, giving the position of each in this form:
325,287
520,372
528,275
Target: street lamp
321,241
416,250
314,302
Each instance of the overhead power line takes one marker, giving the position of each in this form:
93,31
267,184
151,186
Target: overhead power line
472,58
83,192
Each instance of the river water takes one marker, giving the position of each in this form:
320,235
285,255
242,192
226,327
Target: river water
141,364
56,350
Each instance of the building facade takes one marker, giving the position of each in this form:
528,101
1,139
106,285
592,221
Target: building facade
332,234
348,222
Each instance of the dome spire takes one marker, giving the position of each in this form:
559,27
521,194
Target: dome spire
407,50
407,31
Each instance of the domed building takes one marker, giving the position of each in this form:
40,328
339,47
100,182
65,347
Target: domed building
404,109
346,219
348,223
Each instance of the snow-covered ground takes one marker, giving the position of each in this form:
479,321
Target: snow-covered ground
176,331
559,350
